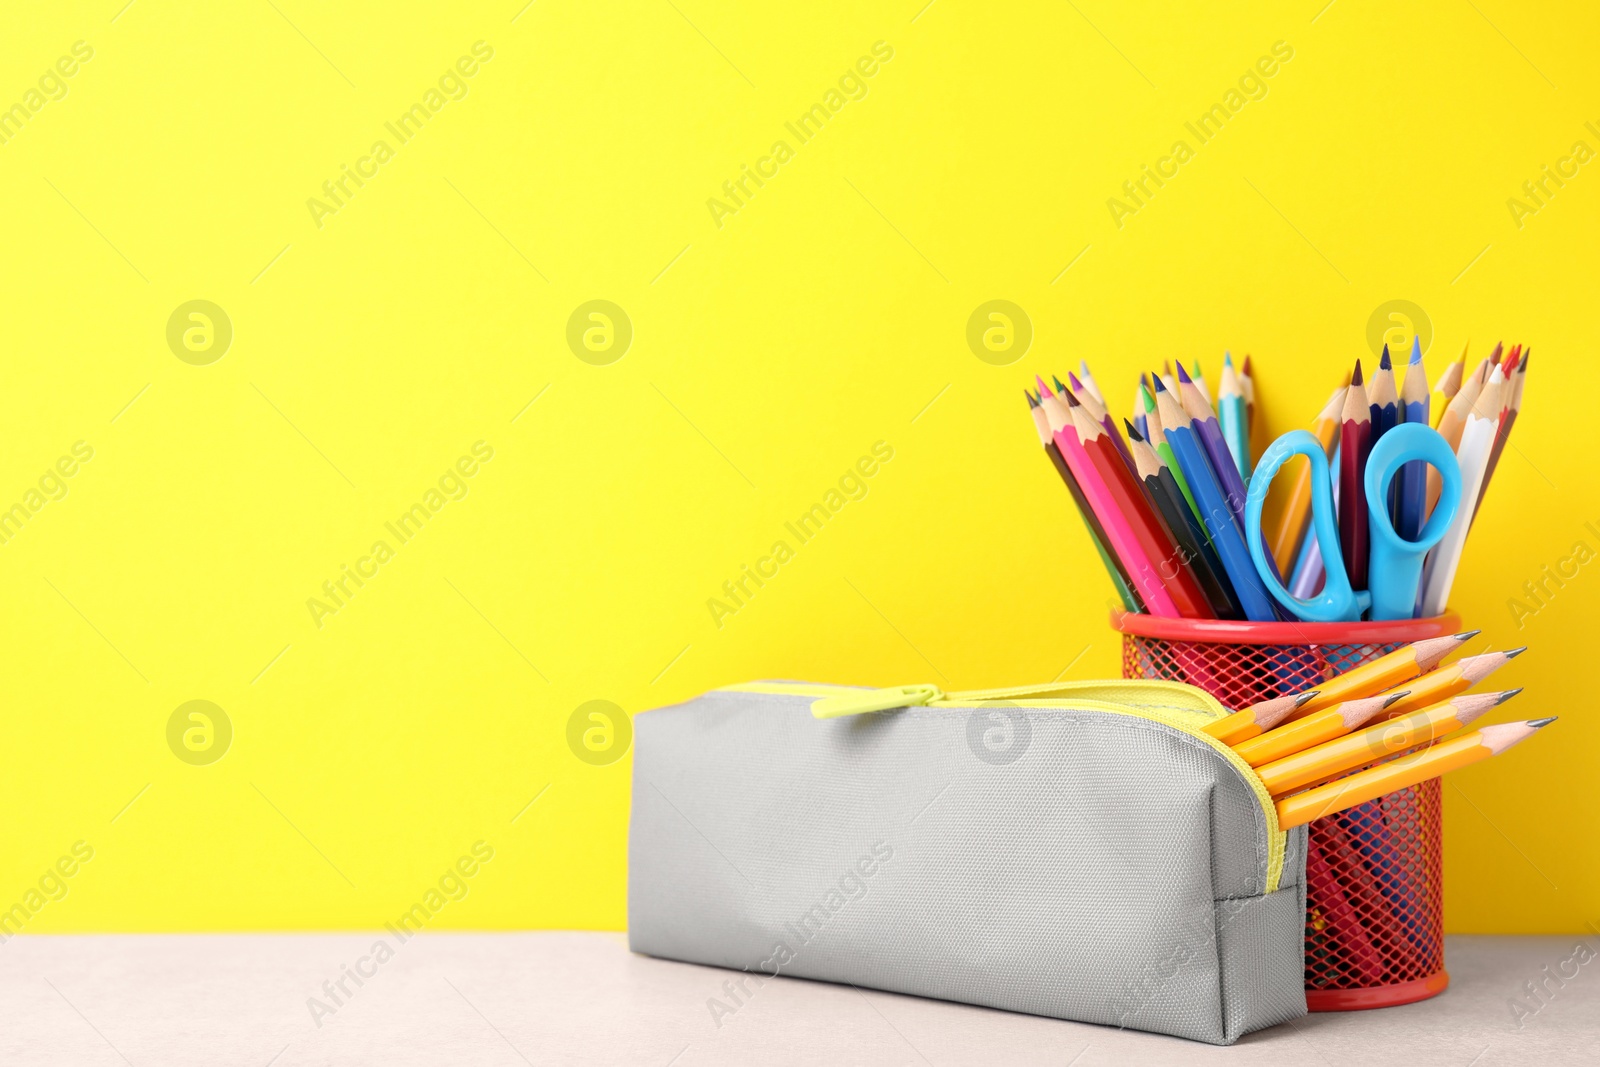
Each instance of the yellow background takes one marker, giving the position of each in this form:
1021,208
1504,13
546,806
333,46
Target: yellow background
768,354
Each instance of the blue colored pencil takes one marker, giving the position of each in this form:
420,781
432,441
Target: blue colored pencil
1207,429
1226,534
1411,492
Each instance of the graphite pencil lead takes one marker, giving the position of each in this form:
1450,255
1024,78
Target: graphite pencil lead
1397,696
1508,694
1537,723
1514,652
1466,635
1303,697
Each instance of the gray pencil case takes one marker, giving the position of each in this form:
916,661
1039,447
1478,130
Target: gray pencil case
1081,851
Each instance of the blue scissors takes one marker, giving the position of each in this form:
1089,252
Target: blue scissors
1395,565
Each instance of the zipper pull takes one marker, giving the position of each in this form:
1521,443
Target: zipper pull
899,696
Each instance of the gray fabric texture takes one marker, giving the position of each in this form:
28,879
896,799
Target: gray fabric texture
1082,865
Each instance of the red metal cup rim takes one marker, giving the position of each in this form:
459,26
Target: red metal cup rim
1223,631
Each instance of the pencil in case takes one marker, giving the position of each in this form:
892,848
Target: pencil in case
1081,851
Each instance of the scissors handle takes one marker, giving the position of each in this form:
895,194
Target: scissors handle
1395,568
1337,602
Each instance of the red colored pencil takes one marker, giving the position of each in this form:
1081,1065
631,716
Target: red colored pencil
1355,441
1151,533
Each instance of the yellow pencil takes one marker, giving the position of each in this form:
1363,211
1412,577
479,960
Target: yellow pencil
1256,719
1442,683
1314,729
1407,771
1375,742
1384,672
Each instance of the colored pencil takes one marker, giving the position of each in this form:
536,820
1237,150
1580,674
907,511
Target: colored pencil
1451,424
1089,382
1386,671
1097,534
1152,537
1206,428
1192,543
1142,403
1508,418
1361,890
1234,418
1378,741
1296,514
1255,720
1450,381
1198,378
1382,398
1411,484
1247,385
1477,439
1444,682
1342,923
1098,413
1215,515
1158,440
1355,441
1312,729
1300,808
1141,572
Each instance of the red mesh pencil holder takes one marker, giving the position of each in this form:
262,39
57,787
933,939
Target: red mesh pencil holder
1374,892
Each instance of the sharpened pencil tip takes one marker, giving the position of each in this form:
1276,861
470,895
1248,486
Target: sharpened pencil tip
1032,403
1156,381
1397,696
1083,367
1355,375
1072,401
1416,350
1077,386
1305,697
1183,375
1507,695
1467,635
1044,390
1515,652
1383,360
1246,367
1059,387
1537,723
1133,431
1227,359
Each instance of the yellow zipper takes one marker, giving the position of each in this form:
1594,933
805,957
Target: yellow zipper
1182,707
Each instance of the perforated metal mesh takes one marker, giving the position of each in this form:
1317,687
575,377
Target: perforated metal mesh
1374,887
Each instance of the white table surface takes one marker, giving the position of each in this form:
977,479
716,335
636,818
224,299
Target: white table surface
582,998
